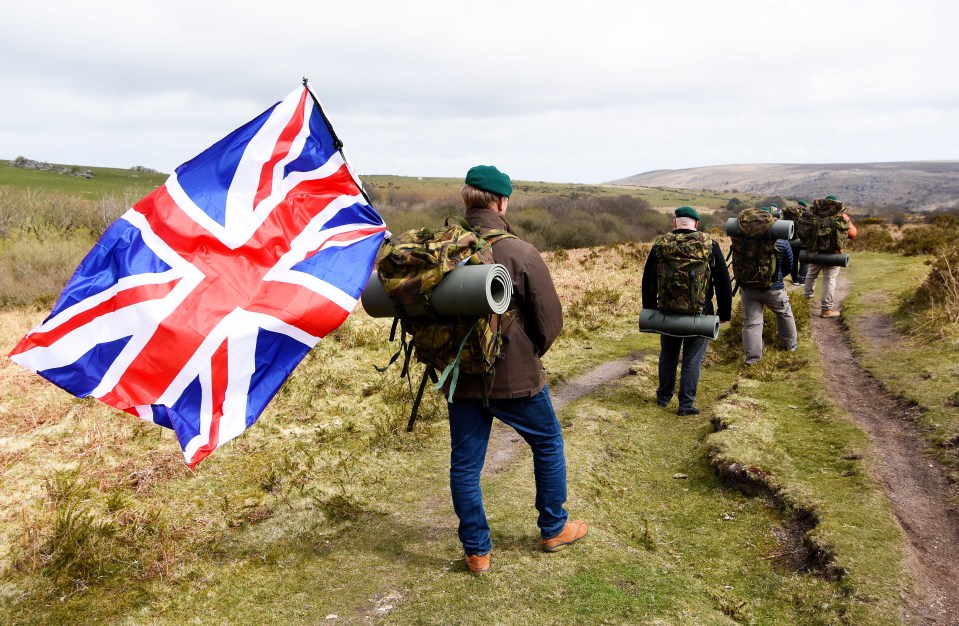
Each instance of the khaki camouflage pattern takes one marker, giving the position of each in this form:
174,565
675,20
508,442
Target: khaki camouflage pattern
823,227
755,222
792,213
754,254
436,341
682,272
411,264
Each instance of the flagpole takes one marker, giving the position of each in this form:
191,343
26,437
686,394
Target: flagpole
336,140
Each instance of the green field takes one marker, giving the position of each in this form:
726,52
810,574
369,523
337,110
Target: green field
105,181
762,510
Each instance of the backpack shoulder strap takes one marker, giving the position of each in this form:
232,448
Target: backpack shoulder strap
461,221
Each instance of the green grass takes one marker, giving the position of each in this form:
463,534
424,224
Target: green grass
105,182
920,368
327,507
390,188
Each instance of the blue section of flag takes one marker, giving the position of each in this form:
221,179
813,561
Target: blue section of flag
184,414
83,376
345,268
277,355
318,148
207,177
120,253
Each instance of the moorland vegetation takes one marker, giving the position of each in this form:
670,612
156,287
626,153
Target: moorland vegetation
762,512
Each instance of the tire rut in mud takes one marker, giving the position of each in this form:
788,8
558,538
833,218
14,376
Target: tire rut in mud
915,484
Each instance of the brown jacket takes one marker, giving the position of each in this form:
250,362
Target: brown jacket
538,321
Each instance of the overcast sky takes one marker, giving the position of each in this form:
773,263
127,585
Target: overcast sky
546,90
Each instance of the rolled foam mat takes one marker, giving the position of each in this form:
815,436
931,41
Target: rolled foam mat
824,259
781,229
653,321
467,290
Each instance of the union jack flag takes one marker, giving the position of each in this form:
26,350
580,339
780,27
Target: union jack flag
197,304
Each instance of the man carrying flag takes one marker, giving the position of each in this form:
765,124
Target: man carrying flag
195,306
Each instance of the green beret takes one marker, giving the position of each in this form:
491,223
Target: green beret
488,178
802,203
833,198
766,209
687,211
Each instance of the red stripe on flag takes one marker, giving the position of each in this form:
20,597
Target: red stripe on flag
219,374
280,151
128,297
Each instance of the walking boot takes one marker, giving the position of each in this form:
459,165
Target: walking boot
478,563
830,313
571,533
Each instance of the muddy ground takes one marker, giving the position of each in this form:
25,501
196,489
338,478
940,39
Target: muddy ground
915,484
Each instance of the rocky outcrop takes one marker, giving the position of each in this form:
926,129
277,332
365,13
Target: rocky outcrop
30,164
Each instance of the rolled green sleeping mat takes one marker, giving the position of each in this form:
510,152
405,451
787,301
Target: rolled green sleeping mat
465,290
794,243
780,229
675,325
824,259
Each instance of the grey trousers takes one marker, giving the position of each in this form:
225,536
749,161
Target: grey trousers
778,301
829,276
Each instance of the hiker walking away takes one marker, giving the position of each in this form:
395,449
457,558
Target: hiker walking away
799,268
759,264
715,282
517,393
836,228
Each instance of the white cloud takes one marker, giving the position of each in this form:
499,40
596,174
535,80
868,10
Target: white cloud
548,90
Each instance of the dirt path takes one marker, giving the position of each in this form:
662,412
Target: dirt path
915,484
504,443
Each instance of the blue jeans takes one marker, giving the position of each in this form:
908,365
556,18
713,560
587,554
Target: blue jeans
694,349
535,420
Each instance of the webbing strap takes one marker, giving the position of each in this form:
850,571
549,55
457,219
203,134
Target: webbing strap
419,397
454,367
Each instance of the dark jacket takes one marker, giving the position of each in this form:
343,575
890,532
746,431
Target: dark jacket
538,322
784,262
719,285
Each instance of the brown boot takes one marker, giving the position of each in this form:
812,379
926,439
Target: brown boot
830,313
478,563
571,533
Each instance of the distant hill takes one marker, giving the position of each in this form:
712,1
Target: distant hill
918,185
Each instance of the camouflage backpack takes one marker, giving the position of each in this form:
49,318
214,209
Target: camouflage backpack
409,266
792,213
754,254
683,272
823,226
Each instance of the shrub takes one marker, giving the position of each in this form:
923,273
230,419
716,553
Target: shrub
938,295
873,238
926,239
31,273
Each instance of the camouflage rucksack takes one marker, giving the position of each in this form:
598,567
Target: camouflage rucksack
754,254
792,213
823,226
409,266
683,272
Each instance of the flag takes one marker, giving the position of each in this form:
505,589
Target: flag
197,304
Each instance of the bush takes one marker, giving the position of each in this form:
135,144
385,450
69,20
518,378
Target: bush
34,273
873,238
926,239
938,295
